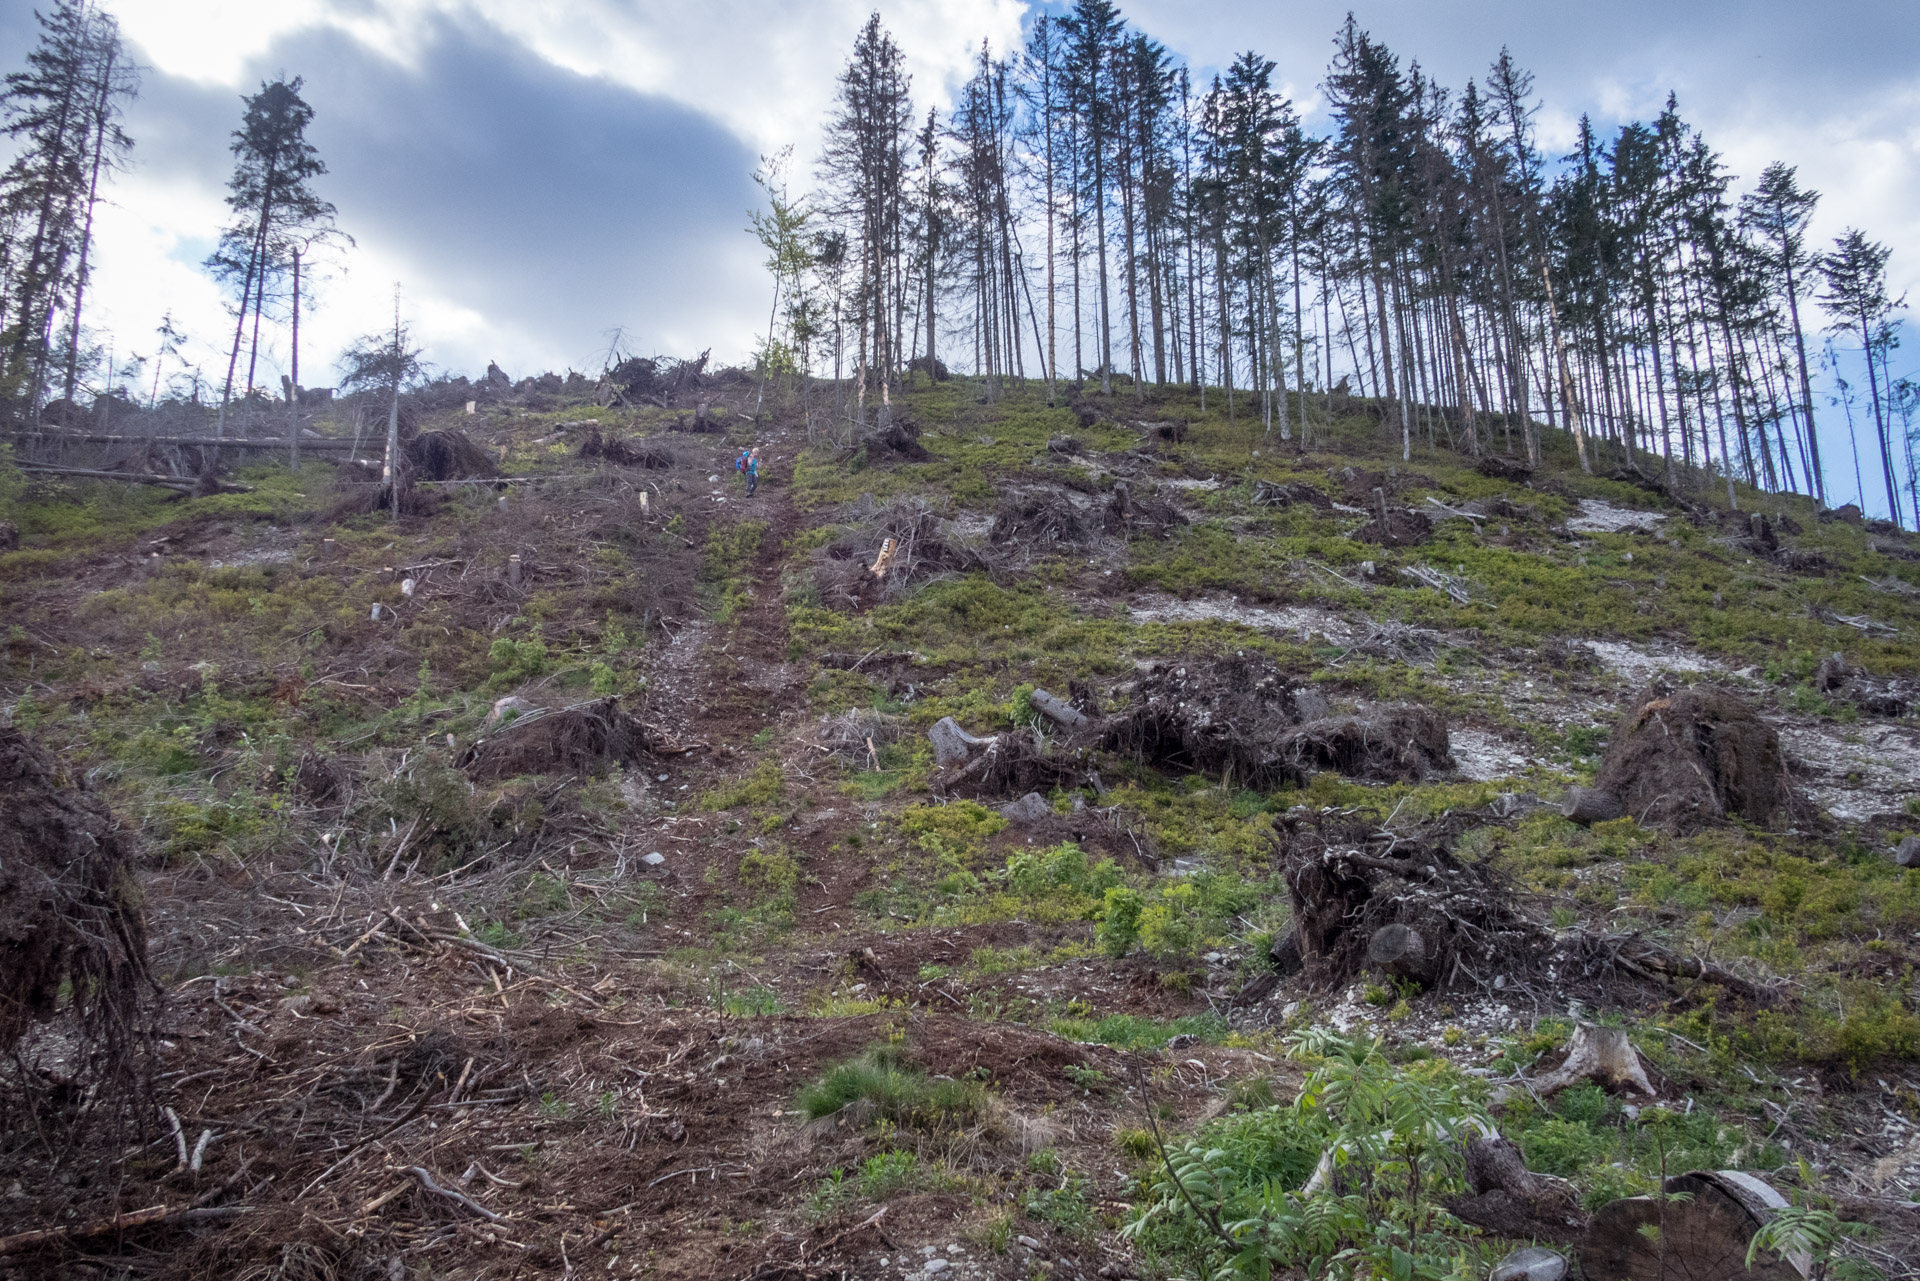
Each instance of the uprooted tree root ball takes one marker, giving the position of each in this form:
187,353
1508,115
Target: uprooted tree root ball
574,740
1387,744
1402,901
899,546
1694,756
73,936
656,453
1214,716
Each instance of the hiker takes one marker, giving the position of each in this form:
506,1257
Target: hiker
748,465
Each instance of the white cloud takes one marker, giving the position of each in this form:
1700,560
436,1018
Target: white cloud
766,72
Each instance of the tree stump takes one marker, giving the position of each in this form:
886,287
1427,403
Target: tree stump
1701,1238
1399,950
1602,1054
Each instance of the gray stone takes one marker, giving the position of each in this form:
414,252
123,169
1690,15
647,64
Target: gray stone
654,859
1907,852
1031,808
1535,1263
951,744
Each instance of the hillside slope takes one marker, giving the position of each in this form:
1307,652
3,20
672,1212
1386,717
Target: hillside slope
470,971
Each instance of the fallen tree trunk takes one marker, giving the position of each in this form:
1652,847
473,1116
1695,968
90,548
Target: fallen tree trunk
1058,710
203,442
184,484
149,1217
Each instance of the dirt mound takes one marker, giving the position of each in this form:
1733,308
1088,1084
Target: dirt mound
1039,519
574,740
1388,745
1686,759
652,452
71,926
1224,716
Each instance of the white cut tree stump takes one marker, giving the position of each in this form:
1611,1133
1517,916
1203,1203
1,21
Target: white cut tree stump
1602,1054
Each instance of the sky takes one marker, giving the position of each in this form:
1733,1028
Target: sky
533,177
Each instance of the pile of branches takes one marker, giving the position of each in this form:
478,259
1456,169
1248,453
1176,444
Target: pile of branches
1013,763
900,545
573,740
73,937
854,737
1040,519
651,451
1148,513
655,380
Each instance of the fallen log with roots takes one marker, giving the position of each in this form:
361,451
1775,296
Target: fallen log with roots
1402,901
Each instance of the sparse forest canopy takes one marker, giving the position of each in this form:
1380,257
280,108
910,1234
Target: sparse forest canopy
1084,213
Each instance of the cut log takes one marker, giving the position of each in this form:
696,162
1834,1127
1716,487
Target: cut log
1589,805
1399,950
1602,1054
1702,1236
1535,1263
1057,710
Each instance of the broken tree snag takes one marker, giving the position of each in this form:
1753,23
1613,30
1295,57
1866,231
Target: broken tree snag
1695,756
1589,805
1399,950
1058,710
1699,1231
1601,1054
